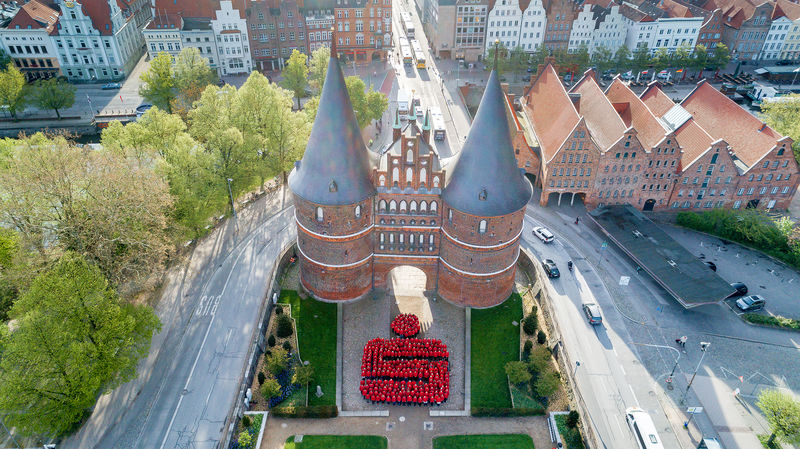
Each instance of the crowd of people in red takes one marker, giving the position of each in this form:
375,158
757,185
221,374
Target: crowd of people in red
406,325
412,371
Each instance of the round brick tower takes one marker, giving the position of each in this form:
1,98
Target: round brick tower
484,209
333,197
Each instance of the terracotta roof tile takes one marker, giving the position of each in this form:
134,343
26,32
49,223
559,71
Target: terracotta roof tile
550,111
602,119
649,129
694,141
165,21
655,99
748,136
35,15
187,8
788,9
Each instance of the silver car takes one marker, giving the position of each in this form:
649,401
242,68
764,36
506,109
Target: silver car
543,234
750,303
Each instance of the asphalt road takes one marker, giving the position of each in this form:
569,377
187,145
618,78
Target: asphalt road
210,310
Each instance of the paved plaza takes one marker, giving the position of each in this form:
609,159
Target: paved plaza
370,317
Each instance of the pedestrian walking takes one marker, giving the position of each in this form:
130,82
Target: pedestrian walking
681,341
577,220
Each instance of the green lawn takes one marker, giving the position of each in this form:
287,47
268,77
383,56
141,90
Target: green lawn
505,441
571,437
495,341
316,333
523,400
339,442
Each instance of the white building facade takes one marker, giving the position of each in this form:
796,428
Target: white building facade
230,30
26,40
776,38
674,32
597,26
514,27
86,53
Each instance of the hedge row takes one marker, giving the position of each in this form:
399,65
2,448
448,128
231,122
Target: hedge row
777,321
483,412
312,411
749,227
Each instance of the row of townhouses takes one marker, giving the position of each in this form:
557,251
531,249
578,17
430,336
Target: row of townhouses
613,146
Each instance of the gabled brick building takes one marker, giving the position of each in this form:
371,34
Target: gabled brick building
358,217
647,151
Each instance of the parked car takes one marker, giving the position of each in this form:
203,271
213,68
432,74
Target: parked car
592,312
750,303
784,62
526,78
111,86
741,289
551,269
662,75
627,76
544,234
711,265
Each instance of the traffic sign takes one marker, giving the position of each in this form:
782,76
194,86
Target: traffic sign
694,410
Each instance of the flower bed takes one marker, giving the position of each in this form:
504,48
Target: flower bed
285,380
406,325
405,371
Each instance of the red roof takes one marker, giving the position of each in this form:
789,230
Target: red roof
187,8
550,111
655,99
602,119
675,9
784,8
748,136
694,141
649,129
165,21
35,15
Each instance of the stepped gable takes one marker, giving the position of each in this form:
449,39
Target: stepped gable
485,180
336,166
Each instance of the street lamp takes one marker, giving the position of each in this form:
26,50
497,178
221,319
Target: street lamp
577,364
230,193
796,71
703,347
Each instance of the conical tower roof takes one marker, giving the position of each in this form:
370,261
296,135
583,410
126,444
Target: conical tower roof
485,180
335,167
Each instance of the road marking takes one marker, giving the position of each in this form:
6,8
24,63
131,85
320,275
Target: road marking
199,352
621,368
634,396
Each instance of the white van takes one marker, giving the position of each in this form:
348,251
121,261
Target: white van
403,102
644,431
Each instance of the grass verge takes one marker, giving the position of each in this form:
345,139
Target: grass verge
570,437
524,400
505,441
316,334
338,442
775,321
495,341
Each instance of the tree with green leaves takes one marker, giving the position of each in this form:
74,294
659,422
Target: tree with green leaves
721,58
547,383
782,116
277,361
782,412
74,339
640,59
4,59
538,57
622,58
295,75
192,73
661,61
368,105
245,440
517,372
699,59
682,58
602,58
158,82
13,90
580,58
54,94
500,64
318,68
517,61
270,388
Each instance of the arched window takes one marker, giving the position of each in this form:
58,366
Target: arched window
409,176
423,176
403,206
433,208
391,239
421,240
393,206
395,175
358,211
430,239
449,213
382,238
435,182
423,207
412,207
482,227
319,214
383,180
400,239
382,206
410,156
411,239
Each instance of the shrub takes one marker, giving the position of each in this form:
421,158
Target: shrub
539,360
287,346
547,383
270,388
777,321
276,362
526,350
278,310
541,338
245,440
303,374
529,324
271,341
517,372
572,419
313,411
261,378
284,326
501,412
246,421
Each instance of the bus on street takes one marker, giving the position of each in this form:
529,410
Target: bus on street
439,131
408,24
419,56
405,51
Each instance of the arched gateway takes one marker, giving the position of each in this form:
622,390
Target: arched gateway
360,215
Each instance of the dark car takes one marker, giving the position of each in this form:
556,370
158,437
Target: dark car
592,312
741,289
711,265
526,78
750,303
784,62
531,69
111,86
551,269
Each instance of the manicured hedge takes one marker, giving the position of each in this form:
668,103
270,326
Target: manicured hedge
768,320
483,412
749,227
312,411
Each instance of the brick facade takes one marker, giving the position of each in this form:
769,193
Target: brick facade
363,29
